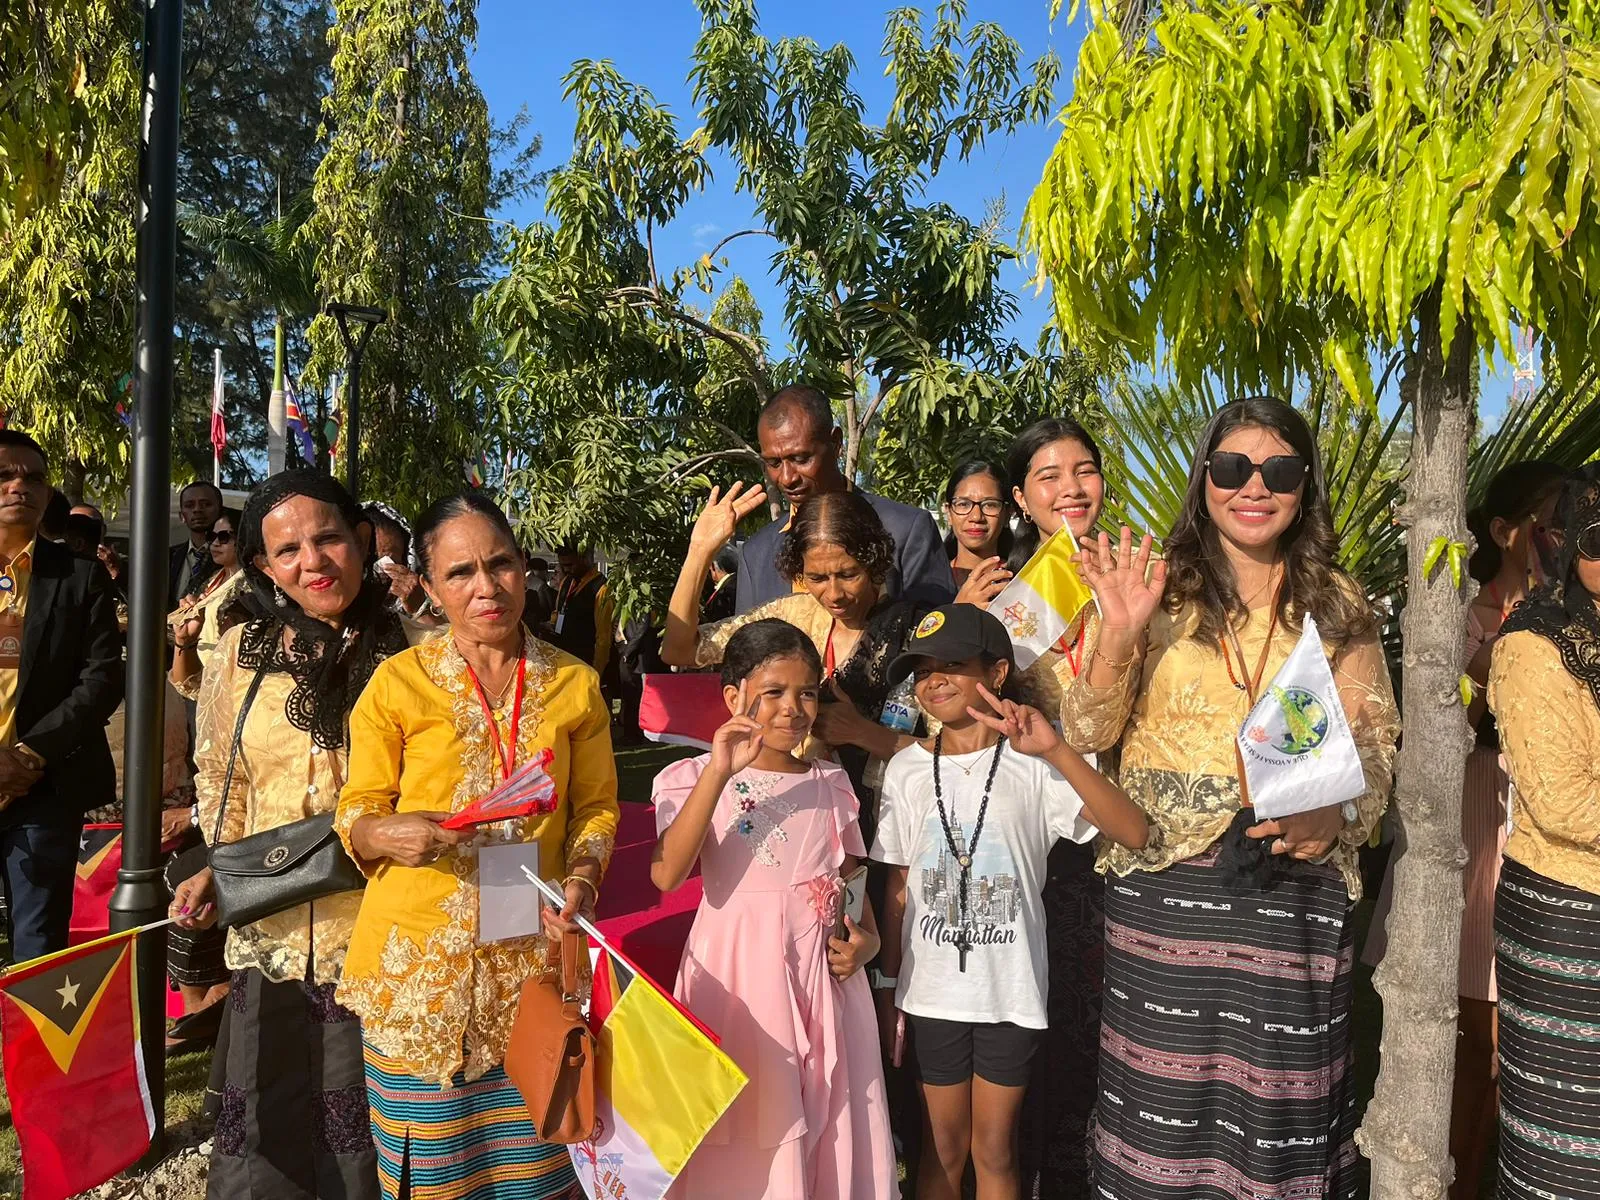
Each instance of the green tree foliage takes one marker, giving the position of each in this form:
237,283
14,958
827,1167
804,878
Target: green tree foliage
400,224
58,56
1262,191
634,382
68,164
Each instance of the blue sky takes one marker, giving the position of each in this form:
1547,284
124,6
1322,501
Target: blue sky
524,50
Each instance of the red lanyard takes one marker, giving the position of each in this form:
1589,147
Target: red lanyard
508,759
1074,649
827,656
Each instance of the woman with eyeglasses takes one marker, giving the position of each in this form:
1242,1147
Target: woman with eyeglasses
197,625
977,509
1544,691
1226,1060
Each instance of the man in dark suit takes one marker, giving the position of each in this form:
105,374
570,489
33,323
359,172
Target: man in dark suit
800,449
584,610
60,681
189,564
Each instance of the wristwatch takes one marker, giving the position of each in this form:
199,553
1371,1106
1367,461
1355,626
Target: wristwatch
881,982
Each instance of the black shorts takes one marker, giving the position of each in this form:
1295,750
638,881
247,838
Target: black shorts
952,1052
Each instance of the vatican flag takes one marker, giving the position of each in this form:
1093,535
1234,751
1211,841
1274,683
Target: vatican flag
1041,603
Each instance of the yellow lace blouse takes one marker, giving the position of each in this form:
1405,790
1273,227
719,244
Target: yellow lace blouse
414,973
281,776
1176,712
1550,739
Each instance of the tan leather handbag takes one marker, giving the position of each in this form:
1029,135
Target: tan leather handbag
551,1056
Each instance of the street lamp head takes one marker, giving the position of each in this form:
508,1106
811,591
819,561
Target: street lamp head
362,315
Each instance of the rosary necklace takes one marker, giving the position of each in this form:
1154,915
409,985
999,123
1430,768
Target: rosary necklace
962,856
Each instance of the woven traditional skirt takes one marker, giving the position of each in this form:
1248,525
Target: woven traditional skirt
292,1123
468,1141
1547,939
1225,1055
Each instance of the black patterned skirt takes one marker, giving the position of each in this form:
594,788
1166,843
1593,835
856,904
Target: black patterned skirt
1053,1137
293,1123
1225,1052
1547,958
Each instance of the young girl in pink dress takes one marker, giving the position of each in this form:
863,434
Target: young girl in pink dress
775,837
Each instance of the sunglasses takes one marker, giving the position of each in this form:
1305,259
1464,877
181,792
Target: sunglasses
220,536
1282,473
1588,543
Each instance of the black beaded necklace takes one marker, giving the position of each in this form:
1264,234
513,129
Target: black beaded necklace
963,858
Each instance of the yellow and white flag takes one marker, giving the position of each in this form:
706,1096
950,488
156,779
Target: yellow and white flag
1039,605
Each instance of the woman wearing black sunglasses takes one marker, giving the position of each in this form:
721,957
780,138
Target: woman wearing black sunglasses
196,625
1226,1061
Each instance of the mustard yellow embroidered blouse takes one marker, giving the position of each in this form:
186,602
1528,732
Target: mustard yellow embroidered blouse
281,776
1550,739
1176,713
419,742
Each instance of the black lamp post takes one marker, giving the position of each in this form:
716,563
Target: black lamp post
141,895
355,345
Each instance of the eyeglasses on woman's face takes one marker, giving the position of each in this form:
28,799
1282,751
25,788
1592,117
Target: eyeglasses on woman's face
963,505
220,537
1230,471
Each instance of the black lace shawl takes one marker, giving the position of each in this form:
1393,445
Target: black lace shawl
1563,611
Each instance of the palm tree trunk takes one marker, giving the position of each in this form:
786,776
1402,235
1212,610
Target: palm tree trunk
1406,1132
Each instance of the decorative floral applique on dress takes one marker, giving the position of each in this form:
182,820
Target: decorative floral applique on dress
758,817
823,893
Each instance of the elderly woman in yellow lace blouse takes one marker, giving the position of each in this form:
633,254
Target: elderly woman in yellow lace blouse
435,985
1227,936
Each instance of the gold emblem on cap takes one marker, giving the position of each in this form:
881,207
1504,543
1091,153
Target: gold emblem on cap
931,624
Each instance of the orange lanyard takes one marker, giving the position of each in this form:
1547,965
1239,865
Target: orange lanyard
1074,649
1252,683
508,758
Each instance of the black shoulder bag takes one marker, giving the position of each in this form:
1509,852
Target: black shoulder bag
275,869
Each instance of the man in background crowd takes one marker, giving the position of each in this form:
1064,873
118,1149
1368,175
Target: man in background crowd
583,608
541,606
60,681
800,449
718,604
190,564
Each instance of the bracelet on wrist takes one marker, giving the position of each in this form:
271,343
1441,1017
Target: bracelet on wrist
1121,664
594,888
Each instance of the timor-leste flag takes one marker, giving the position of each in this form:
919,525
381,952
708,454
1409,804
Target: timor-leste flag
99,860
69,1024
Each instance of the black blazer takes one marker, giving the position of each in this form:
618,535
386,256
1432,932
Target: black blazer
203,572
70,682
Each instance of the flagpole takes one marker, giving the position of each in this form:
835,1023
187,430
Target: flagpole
551,894
141,894
216,407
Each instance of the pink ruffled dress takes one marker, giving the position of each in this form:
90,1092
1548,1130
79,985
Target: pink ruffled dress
813,1121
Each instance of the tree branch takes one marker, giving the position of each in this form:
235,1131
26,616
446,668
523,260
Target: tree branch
712,253
683,470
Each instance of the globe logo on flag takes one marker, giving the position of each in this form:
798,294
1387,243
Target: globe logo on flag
1296,725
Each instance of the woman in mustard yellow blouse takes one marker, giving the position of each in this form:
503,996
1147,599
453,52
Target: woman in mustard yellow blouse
1226,1062
1544,689
438,728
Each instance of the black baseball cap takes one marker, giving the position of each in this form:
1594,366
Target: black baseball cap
953,633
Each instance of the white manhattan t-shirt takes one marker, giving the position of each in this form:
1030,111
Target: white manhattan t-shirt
1031,807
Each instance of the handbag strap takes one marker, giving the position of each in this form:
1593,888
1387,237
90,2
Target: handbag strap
571,947
233,751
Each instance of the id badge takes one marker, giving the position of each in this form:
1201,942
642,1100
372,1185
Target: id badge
561,619
10,641
508,905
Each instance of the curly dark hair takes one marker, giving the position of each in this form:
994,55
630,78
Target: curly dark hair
842,519
1198,572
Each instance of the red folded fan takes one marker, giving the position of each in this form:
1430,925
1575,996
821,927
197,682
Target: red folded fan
530,790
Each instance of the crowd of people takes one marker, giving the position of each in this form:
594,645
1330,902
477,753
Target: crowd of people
968,929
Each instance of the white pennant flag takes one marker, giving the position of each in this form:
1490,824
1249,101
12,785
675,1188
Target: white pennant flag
1296,745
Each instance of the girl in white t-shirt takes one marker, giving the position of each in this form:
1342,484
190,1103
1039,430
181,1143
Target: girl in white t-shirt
966,822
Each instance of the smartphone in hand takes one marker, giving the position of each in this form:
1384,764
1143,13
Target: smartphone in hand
852,901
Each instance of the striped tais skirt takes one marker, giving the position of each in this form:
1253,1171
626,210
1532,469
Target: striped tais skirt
1225,1053
1547,941
468,1141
